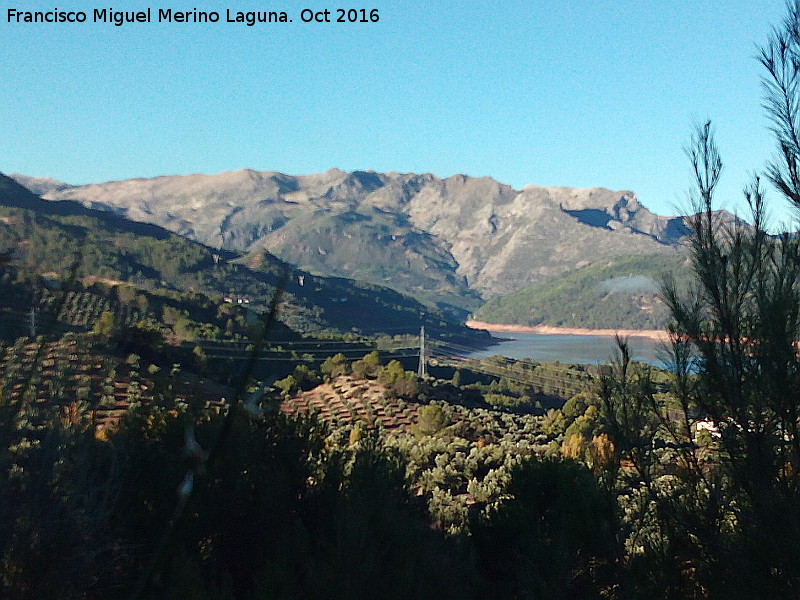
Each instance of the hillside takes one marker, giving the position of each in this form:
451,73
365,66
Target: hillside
445,241
69,240
621,293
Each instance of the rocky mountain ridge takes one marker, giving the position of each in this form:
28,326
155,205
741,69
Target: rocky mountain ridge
457,240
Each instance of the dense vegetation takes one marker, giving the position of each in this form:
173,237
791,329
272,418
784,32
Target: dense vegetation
96,441
272,506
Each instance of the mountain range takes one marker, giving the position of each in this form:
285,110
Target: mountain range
459,240
453,243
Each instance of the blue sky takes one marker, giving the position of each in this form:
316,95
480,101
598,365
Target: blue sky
573,93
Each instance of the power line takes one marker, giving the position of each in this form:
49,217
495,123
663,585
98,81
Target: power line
421,370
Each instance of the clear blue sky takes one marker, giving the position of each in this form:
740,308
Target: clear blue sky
573,93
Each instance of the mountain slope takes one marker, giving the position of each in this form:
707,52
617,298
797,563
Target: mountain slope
622,293
441,240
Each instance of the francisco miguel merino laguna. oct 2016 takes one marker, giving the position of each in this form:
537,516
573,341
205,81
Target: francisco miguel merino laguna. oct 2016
163,15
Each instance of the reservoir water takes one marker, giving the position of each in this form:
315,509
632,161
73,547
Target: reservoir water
564,348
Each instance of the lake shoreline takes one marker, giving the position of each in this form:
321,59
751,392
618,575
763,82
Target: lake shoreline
651,334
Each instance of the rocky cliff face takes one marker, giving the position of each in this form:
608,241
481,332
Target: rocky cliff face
448,239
